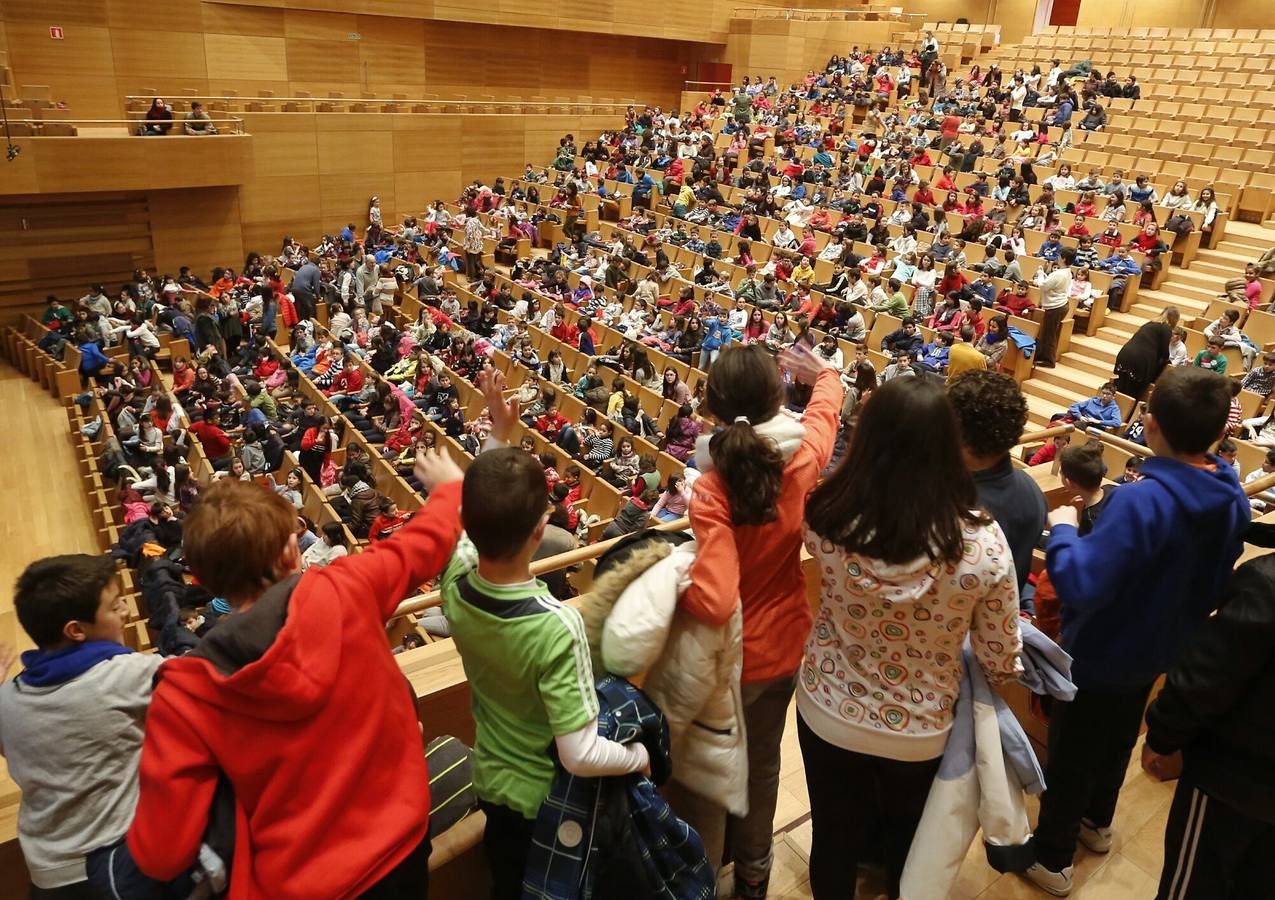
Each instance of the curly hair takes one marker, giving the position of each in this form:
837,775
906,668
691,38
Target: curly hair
990,411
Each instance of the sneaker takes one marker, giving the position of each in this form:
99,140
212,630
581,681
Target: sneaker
1056,883
1095,839
751,890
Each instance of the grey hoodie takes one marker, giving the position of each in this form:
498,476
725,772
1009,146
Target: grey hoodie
73,749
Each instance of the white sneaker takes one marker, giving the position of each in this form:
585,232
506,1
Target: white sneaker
1056,883
1095,839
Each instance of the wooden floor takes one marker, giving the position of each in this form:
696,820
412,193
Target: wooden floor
45,512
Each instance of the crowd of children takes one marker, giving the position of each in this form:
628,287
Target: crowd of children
900,488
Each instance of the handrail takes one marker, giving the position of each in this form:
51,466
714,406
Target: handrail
593,551
1119,442
234,124
540,566
217,98
1031,437
779,12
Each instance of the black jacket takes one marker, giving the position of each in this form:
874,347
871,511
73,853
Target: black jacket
1216,703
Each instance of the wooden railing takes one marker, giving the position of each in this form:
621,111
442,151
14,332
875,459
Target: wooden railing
309,104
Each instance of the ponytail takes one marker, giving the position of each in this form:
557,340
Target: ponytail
744,388
752,469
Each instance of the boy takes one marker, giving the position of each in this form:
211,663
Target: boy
1211,359
991,412
296,702
1158,558
524,653
1102,411
79,790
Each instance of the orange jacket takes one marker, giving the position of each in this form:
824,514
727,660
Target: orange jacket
761,564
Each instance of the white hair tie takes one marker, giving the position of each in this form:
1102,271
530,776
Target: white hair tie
743,420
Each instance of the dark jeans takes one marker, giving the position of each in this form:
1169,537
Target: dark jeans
507,841
860,806
1090,742
409,880
1213,851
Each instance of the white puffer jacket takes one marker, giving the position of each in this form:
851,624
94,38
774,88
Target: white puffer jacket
692,669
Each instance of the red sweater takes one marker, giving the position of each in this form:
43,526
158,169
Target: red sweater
318,736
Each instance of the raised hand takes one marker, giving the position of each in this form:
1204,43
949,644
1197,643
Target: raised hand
504,413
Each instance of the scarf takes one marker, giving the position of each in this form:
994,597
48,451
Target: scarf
49,668
783,430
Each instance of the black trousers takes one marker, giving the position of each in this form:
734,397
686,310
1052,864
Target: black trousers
507,841
1213,851
1090,742
409,880
1050,329
860,806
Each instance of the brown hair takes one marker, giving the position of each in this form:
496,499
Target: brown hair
743,383
903,490
502,500
234,536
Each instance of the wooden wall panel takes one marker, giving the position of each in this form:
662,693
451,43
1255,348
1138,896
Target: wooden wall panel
61,244
318,26
213,237
322,61
225,18
164,56
283,153
342,153
56,12
247,56
158,15
85,50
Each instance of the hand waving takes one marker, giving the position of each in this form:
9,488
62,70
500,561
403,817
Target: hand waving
504,413
434,468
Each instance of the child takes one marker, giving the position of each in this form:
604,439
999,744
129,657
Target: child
1159,556
1132,471
1081,470
77,687
747,517
1211,358
525,657
274,687
635,514
390,520
1177,347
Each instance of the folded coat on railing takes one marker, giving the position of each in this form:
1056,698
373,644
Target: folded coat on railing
987,768
1023,341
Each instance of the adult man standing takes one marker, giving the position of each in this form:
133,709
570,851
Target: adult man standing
1055,296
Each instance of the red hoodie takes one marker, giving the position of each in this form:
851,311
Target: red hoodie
317,732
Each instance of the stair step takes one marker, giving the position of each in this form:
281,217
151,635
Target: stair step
1235,240
1174,295
1125,322
1220,271
1039,410
1069,378
1081,361
1061,397
1221,256
1097,346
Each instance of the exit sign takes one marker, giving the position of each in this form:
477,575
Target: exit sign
55,32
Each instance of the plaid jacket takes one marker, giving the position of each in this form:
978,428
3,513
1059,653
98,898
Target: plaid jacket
617,837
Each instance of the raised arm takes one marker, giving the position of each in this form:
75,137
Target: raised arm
392,568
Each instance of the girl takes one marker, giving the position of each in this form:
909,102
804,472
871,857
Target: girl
924,279
683,430
757,469
895,538
993,343
330,546
675,500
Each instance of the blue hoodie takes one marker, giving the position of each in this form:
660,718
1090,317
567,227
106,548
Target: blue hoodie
1137,587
